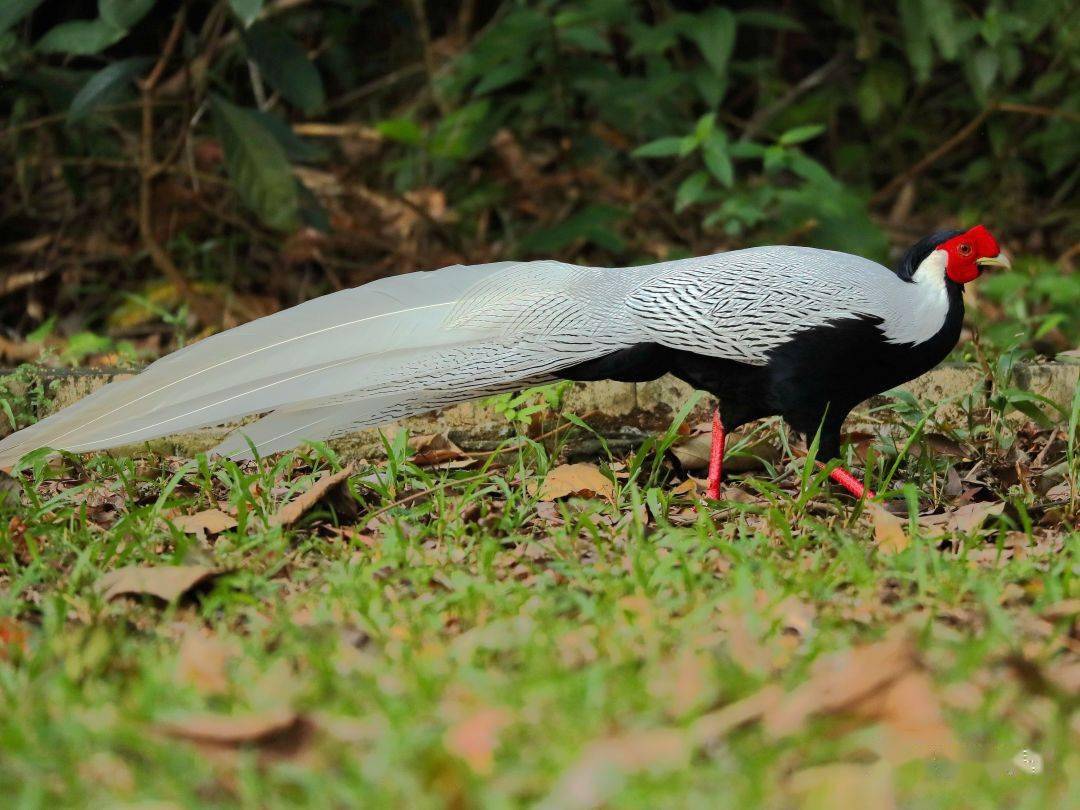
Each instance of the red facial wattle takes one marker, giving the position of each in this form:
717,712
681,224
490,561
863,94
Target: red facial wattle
965,252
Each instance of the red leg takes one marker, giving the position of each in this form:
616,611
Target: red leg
850,483
716,457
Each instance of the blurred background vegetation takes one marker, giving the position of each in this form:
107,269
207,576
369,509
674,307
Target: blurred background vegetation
175,167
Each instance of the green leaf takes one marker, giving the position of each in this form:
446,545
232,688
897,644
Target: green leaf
11,11
768,19
747,149
717,158
297,150
402,130
106,86
982,68
83,344
882,88
918,47
501,76
246,10
124,14
801,134
713,32
691,190
661,147
80,37
586,38
941,22
463,132
257,165
285,66
705,126
594,223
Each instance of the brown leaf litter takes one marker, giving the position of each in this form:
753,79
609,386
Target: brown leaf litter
883,684
576,480
475,737
890,535
965,519
165,582
295,509
437,451
206,522
203,662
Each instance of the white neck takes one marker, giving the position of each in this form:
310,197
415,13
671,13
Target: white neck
922,318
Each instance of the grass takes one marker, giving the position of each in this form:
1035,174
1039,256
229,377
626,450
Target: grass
472,647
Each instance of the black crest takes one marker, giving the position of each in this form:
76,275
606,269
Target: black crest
915,254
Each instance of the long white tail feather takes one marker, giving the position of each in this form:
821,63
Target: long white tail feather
343,348
282,430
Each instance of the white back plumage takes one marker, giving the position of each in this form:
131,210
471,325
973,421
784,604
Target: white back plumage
406,344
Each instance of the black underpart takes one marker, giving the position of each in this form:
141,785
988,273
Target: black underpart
813,380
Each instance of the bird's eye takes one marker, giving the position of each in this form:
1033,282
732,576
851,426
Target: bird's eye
964,249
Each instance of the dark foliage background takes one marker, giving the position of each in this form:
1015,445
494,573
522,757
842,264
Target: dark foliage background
173,168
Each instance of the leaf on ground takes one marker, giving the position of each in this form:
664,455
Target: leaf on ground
254,728
580,480
1065,609
878,683
889,533
475,737
710,728
203,662
964,519
684,685
436,450
881,683
691,486
13,637
844,784
600,770
208,521
165,582
693,452
301,505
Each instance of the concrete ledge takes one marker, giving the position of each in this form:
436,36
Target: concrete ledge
624,413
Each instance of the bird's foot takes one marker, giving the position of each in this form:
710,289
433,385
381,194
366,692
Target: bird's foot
850,483
716,457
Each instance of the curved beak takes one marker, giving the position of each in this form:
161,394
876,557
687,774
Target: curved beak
1001,260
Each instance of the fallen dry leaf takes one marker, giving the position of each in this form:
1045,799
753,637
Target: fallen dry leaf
877,683
203,663
208,521
301,505
436,450
597,773
710,728
475,738
843,784
911,714
165,582
693,452
881,683
13,637
684,685
1065,609
582,480
227,729
688,487
889,532
965,519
